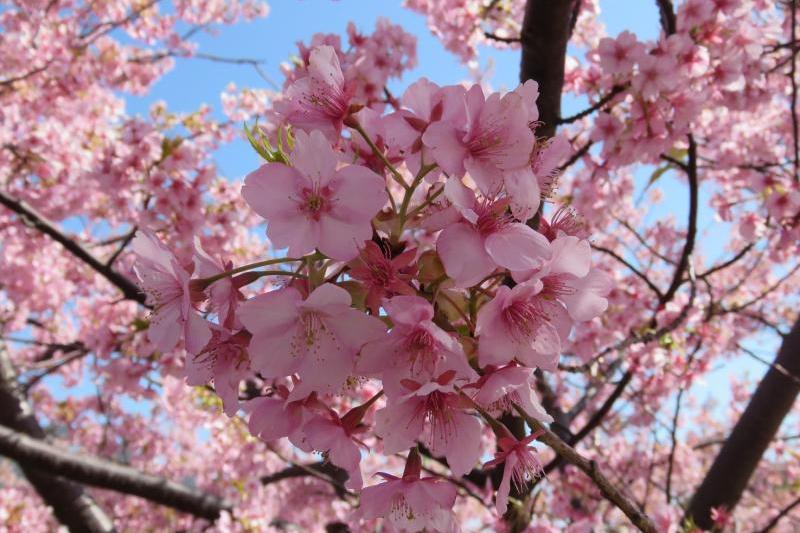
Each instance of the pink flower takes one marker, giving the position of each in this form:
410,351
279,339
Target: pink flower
320,100
411,504
274,417
383,276
166,284
336,438
332,438
225,361
314,205
618,56
656,74
435,413
500,388
317,338
415,347
568,277
486,238
424,103
223,294
493,140
521,466
517,324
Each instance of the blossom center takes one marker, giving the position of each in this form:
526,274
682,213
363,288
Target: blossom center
521,319
315,201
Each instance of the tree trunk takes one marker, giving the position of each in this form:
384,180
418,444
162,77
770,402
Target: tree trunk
750,438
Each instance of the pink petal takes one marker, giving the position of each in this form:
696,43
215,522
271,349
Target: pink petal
313,156
460,442
523,190
463,254
518,247
197,333
501,500
444,140
398,425
271,189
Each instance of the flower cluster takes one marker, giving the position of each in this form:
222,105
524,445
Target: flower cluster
407,263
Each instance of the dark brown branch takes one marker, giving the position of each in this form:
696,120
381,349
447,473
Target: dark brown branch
590,468
71,506
639,274
33,453
615,90
544,36
323,471
500,39
756,428
666,12
691,230
38,222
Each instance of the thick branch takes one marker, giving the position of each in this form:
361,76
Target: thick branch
590,468
37,221
737,460
544,36
71,505
106,474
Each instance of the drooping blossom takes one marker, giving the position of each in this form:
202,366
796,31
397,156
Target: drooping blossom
519,324
312,204
277,416
166,284
337,438
498,389
224,360
415,348
487,236
411,504
435,413
317,337
382,276
223,294
520,466
320,100
568,277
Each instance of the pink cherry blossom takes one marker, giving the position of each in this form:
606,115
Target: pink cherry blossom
435,412
520,466
618,56
320,100
382,276
411,504
312,204
498,389
166,284
492,140
518,324
317,337
488,236
415,348
224,359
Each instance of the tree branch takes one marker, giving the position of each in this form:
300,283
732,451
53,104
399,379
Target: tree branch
71,505
590,468
737,460
33,453
544,36
35,220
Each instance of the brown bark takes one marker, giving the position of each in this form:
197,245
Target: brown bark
70,504
546,29
737,460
